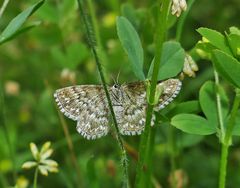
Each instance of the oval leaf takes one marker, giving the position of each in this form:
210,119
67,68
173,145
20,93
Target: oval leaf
132,45
234,43
171,61
185,107
17,22
21,30
207,99
192,124
227,66
215,38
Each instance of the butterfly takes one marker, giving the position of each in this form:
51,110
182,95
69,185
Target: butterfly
87,104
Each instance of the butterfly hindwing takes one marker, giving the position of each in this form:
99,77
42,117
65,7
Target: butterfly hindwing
131,116
87,104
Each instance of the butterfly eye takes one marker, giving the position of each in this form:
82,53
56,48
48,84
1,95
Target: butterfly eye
115,86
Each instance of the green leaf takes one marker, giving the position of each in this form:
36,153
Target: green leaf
204,49
185,107
187,140
132,45
22,30
227,66
234,43
72,57
192,124
215,38
16,23
234,30
172,61
207,99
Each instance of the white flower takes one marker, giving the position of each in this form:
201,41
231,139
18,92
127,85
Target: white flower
178,6
42,163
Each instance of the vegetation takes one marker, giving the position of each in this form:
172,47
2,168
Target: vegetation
48,45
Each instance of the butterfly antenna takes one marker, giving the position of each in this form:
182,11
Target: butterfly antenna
113,79
118,75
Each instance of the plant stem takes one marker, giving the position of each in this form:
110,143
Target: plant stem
233,114
172,145
71,148
35,178
99,66
182,20
227,140
4,5
101,51
219,107
145,155
2,109
223,166
5,128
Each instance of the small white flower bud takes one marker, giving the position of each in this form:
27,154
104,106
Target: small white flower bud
183,5
189,67
178,6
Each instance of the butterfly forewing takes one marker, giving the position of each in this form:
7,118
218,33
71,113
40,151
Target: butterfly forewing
87,104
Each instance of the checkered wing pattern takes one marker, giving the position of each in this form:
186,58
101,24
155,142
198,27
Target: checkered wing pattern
131,115
87,105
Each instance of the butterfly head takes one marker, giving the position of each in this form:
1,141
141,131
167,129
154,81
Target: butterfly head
117,94
116,86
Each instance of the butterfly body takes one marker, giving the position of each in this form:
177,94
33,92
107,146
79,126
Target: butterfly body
87,104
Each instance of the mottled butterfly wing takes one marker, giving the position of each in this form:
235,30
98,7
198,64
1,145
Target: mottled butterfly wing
87,105
131,115
171,88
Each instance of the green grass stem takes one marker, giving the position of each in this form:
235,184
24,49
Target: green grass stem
143,176
227,140
3,7
91,41
2,109
219,107
70,148
35,178
5,129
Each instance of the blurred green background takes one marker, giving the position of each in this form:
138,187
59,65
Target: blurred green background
55,54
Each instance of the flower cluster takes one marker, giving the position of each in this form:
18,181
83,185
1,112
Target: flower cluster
178,6
42,163
189,67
